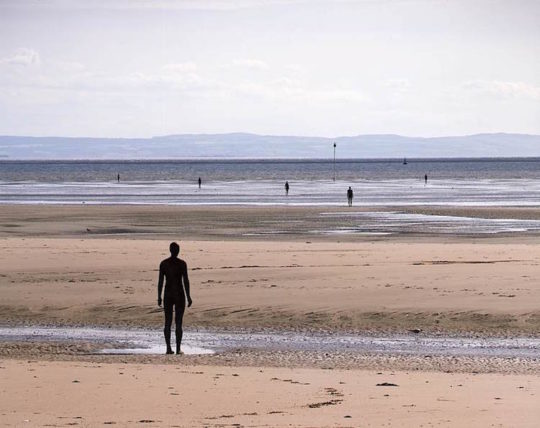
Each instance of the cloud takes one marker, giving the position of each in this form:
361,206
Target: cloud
183,78
294,68
398,85
210,5
503,89
285,89
23,57
181,67
137,81
254,64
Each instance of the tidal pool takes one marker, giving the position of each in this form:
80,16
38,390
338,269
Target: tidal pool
141,341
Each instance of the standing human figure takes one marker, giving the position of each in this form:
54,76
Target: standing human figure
200,182
287,188
118,178
350,196
175,273
425,179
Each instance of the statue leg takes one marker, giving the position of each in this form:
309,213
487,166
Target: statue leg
167,307
179,316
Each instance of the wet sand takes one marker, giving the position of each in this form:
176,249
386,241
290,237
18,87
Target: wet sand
128,341
235,222
412,352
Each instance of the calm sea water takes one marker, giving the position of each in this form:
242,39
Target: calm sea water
381,183
248,170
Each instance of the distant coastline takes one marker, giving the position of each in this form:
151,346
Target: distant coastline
240,160
242,146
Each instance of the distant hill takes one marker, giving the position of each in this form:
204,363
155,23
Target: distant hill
242,145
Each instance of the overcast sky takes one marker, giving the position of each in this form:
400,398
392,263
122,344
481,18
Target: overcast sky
116,68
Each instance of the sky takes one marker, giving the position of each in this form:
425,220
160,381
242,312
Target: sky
143,68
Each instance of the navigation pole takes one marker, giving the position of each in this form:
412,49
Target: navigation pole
334,161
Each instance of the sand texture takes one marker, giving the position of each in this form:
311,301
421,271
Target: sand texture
381,286
85,394
233,222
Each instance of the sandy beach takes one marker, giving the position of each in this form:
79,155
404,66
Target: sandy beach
97,265
347,286
84,394
85,269
353,189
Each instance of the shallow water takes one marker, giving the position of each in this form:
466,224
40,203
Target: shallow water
381,193
376,183
454,182
392,222
137,341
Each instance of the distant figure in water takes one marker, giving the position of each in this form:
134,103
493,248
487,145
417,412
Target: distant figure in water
200,182
118,178
350,196
287,188
425,179
175,273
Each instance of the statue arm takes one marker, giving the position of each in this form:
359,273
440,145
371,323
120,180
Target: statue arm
185,279
160,284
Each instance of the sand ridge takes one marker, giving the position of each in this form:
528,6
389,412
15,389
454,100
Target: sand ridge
375,286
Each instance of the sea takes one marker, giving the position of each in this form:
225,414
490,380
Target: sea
508,182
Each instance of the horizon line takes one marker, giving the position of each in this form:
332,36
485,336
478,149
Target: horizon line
291,159
273,135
